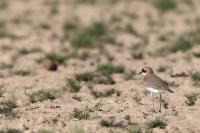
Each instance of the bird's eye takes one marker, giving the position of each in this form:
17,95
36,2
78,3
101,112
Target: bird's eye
144,71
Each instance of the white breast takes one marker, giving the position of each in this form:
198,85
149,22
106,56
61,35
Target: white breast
152,90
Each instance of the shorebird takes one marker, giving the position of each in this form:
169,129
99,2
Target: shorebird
154,84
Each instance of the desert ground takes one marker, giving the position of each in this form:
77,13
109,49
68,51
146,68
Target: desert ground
71,66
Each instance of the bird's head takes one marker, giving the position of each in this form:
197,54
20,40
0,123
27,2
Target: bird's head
146,71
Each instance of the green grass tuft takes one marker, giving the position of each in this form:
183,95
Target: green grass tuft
42,95
161,69
86,76
108,69
44,131
191,98
80,114
182,44
22,72
55,57
7,107
129,74
165,5
45,25
77,129
3,4
137,51
195,76
86,1
73,85
135,130
3,32
157,122
137,98
107,93
10,130
88,37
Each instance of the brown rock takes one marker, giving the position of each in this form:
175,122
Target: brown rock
50,65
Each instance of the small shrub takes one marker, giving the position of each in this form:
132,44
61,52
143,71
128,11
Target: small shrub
86,38
157,122
3,32
54,8
107,93
163,38
94,77
5,47
108,69
128,75
182,44
131,30
137,51
58,58
106,123
86,76
191,98
90,36
7,107
68,29
165,5
80,114
44,131
86,1
135,130
3,4
137,55
185,41
25,51
196,54
6,65
84,56
73,85
10,130
78,98
195,76
137,98
22,72
161,69
113,122
1,91
77,130
45,25
115,19
69,26
42,95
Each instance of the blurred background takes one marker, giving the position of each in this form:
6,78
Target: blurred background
107,30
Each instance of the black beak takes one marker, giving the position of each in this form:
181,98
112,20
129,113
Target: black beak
140,72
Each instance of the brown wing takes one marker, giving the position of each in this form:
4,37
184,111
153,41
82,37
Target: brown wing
157,83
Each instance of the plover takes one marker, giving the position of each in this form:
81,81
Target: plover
154,84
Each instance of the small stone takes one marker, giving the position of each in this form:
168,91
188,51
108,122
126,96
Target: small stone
50,65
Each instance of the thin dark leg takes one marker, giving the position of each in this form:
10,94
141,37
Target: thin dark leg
153,102
160,103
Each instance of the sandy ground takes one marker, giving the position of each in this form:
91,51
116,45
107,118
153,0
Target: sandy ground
36,29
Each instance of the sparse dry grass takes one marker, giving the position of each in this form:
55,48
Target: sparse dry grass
80,114
10,130
42,95
72,85
157,122
7,107
195,76
106,93
191,98
165,5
